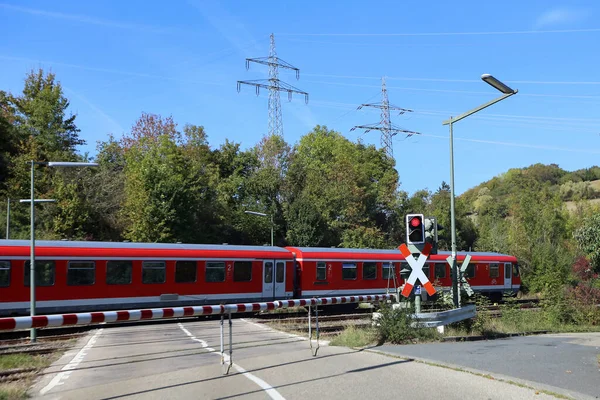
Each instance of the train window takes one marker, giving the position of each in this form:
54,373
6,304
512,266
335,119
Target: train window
81,273
515,269
405,270
440,270
470,272
153,271
118,272
426,270
242,271
215,271
185,271
279,272
321,271
349,271
369,270
507,270
386,270
4,273
269,272
44,273
494,271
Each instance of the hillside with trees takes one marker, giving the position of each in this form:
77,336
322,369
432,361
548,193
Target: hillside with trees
163,181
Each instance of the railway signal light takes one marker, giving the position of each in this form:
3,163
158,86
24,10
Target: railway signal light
431,230
415,229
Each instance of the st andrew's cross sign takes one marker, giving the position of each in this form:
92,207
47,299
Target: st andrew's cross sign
417,270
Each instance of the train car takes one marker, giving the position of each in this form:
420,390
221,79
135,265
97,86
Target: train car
492,274
87,276
335,272
77,276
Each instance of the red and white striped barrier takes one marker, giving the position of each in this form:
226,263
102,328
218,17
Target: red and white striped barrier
42,321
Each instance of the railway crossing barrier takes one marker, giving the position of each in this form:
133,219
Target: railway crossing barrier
438,319
95,318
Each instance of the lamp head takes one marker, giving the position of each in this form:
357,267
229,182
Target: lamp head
490,80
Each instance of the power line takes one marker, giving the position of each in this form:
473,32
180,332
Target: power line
591,97
274,85
523,32
402,78
513,144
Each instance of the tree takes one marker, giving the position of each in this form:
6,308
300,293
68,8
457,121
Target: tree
588,239
537,234
353,187
41,112
157,195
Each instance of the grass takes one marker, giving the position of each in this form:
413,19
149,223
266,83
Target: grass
14,390
355,337
17,389
12,361
514,320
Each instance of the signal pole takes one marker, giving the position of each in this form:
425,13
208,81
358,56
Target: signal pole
385,126
274,85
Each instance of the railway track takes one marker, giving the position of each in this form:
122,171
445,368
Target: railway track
67,333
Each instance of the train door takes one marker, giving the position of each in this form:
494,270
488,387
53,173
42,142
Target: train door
507,275
273,280
279,279
268,285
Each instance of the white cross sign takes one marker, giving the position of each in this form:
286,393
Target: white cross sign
417,270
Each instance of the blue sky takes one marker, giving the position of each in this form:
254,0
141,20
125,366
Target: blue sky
117,59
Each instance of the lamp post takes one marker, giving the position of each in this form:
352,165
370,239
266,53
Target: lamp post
507,92
7,218
263,215
20,201
33,333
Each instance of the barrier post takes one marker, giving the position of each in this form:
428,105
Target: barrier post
230,344
222,341
309,328
317,326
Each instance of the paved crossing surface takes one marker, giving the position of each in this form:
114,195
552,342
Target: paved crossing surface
182,360
569,361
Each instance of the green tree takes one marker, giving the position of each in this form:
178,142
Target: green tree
157,196
41,112
538,236
588,239
353,187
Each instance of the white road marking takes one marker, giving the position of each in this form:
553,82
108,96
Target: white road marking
272,392
67,369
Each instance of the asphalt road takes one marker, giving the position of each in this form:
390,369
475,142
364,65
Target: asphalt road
567,362
179,361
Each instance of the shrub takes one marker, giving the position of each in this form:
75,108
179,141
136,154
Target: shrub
399,326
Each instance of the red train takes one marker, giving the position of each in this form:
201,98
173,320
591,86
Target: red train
77,276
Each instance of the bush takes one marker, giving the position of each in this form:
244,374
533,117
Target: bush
399,326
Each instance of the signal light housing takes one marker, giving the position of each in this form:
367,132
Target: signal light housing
415,229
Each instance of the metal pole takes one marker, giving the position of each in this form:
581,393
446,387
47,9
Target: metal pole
33,333
453,267
7,219
271,230
230,345
222,341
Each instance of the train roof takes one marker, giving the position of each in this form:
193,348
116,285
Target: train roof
386,254
134,249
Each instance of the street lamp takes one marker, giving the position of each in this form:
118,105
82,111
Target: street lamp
33,334
20,201
263,215
507,92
